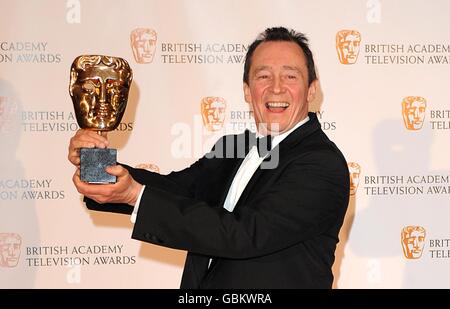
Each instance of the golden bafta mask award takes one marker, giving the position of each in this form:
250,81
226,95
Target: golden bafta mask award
99,87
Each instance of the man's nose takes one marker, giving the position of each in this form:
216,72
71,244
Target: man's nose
277,85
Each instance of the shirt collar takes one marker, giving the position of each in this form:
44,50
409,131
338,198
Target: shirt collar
279,138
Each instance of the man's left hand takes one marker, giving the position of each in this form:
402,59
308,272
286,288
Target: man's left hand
125,190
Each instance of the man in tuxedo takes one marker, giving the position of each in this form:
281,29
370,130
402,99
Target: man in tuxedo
243,225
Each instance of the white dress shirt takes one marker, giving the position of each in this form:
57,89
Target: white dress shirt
246,170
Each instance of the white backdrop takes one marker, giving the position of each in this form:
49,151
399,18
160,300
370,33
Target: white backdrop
404,178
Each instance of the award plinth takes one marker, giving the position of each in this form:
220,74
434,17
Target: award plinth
93,162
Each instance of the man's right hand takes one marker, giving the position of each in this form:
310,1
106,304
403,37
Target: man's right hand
85,139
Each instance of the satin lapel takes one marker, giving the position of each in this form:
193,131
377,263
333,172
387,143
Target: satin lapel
259,173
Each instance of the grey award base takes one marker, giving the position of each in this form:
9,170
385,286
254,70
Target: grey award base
93,164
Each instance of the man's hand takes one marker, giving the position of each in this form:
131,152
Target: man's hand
125,190
85,139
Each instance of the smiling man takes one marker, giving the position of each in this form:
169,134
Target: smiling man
277,83
245,226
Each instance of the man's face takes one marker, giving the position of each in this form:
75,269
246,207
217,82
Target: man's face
213,113
100,95
348,46
413,244
143,44
354,170
414,114
10,251
278,88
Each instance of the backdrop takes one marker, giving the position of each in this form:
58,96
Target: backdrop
384,100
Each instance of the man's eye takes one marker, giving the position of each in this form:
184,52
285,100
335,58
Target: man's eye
264,76
292,77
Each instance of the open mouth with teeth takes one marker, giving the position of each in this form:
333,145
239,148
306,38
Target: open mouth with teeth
277,107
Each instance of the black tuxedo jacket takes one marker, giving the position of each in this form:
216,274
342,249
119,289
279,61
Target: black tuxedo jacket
284,228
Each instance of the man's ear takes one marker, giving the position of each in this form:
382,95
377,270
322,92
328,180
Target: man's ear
312,89
247,93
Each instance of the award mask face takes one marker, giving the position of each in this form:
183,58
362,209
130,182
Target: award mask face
10,249
413,111
347,45
143,44
413,241
213,112
355,171
99,87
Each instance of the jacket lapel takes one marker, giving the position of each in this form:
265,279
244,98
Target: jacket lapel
284,149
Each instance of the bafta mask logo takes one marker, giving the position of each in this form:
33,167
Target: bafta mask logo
149,167
354,170
347,46
99,87
413,240
10,249
213,112
8,112
143,44
413,112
